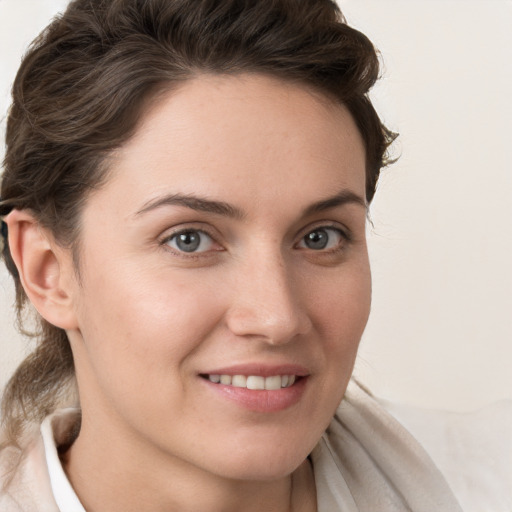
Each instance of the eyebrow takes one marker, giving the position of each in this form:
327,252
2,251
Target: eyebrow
340,199
222,208
200,204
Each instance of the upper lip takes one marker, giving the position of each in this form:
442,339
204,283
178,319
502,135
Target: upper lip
260,369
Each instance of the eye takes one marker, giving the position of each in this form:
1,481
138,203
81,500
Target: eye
191,240
322,239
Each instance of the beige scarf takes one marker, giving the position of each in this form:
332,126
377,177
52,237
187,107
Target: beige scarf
367,462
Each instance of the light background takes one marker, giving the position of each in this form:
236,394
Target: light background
440,333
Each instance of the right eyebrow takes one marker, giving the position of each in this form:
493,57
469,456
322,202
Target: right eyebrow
200,204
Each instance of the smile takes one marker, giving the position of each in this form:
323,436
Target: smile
258,387
255,382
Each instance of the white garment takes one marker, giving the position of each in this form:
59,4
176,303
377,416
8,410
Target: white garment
365,462
64,495
473,451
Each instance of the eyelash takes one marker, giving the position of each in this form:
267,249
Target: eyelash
166,241
343,234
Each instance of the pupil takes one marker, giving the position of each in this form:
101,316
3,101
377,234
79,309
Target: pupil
317,239
188,242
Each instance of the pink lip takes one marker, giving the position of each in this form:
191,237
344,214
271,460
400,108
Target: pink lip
261,401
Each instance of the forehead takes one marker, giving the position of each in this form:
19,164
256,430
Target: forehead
247,136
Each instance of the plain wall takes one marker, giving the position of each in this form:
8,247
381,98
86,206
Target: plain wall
440,331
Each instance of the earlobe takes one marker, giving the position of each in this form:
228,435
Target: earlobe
44,268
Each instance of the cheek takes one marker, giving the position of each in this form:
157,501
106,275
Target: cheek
142,326
342,305
138,344
341,313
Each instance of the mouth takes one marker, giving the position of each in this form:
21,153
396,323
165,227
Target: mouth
258,387
253,382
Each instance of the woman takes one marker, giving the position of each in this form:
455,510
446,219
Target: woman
184,197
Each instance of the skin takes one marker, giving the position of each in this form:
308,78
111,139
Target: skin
146,319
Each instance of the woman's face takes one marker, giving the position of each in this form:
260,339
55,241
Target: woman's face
228,244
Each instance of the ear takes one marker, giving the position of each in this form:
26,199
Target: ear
46,269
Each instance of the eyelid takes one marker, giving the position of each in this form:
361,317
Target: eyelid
174,232
343,232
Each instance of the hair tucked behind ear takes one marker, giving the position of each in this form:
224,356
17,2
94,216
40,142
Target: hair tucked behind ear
84,84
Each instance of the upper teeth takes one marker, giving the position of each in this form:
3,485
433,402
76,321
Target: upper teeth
254,381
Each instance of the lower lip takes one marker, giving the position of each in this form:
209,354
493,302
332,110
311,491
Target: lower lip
264,401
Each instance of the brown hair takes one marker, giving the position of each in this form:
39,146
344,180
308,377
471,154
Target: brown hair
83,86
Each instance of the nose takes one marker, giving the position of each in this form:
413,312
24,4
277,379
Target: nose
266,302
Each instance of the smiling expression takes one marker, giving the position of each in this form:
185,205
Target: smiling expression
225,282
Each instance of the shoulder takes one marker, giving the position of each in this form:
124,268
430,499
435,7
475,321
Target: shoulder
24,478
473,450
366,460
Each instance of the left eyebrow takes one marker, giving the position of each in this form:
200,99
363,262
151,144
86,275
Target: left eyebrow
340,199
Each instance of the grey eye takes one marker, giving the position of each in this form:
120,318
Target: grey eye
321,239
191,241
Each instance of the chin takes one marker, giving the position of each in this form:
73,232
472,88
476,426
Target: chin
263,462
251,471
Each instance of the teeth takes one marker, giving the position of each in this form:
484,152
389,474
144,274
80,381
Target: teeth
273,382
225,379
239,381
255,382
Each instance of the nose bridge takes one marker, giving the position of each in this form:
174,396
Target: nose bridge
266,303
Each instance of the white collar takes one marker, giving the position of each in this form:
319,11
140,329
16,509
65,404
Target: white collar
63,493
